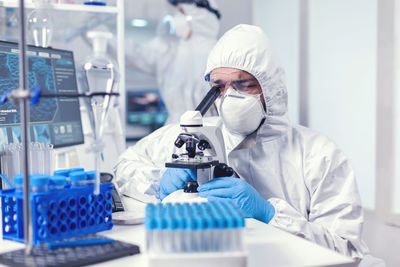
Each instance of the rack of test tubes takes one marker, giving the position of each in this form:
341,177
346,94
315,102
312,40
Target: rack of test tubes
62,206
40,158
199,234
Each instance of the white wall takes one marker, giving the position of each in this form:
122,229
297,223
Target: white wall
396,191
342,81
280,20
234,12
342,37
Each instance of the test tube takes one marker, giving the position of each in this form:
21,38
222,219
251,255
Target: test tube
33,158
49,159
77,178
3,161
41,159
192,228
58,182
39,183
179,232
150,225
18,183
90,177
8,167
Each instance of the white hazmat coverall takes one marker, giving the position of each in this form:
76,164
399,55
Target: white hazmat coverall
178,64
302,173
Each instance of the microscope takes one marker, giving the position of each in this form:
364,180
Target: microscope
200,148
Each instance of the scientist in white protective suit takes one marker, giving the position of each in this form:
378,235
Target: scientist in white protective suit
177,56
290,176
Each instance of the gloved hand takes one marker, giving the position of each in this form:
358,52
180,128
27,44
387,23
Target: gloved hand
174,179
245,197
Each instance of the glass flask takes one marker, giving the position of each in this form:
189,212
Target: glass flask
40,24
99,74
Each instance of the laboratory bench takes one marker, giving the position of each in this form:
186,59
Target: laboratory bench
265,245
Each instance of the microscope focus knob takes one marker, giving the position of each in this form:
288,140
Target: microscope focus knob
190,187
203,144
222,170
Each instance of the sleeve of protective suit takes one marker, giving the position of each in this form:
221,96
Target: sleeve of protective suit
144,56
140,167
334,213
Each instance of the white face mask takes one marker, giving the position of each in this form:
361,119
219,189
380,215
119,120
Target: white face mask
241,114
181,25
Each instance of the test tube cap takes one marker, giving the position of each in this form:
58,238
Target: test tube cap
18,179
77,176
39,180
58,180
62,172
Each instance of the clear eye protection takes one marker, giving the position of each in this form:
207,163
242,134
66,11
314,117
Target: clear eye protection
245,85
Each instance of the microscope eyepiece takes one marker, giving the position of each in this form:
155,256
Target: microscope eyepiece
209,99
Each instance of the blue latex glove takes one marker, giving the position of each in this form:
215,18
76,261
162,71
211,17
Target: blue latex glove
174,179
245,197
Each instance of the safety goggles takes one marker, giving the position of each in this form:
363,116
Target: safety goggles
246,85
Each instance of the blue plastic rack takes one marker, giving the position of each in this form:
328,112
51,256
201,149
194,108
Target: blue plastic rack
58,214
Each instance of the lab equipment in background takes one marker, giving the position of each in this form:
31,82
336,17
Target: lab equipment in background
95,3
52,120
100,74
205,234
57,214
40,158
145,112
200,148
40,24
8,24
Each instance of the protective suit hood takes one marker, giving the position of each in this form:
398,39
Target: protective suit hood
247,48
204,23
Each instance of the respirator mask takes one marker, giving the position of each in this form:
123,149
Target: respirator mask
241,113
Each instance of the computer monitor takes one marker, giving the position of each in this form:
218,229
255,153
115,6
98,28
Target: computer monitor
52,120
146,108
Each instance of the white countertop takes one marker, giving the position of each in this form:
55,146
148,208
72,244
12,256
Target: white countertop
265,245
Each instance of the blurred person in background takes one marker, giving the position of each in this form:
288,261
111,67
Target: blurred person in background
177,55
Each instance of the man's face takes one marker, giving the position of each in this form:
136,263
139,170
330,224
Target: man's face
239,80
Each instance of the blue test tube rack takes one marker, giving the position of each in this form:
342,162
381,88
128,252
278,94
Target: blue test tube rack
58,214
